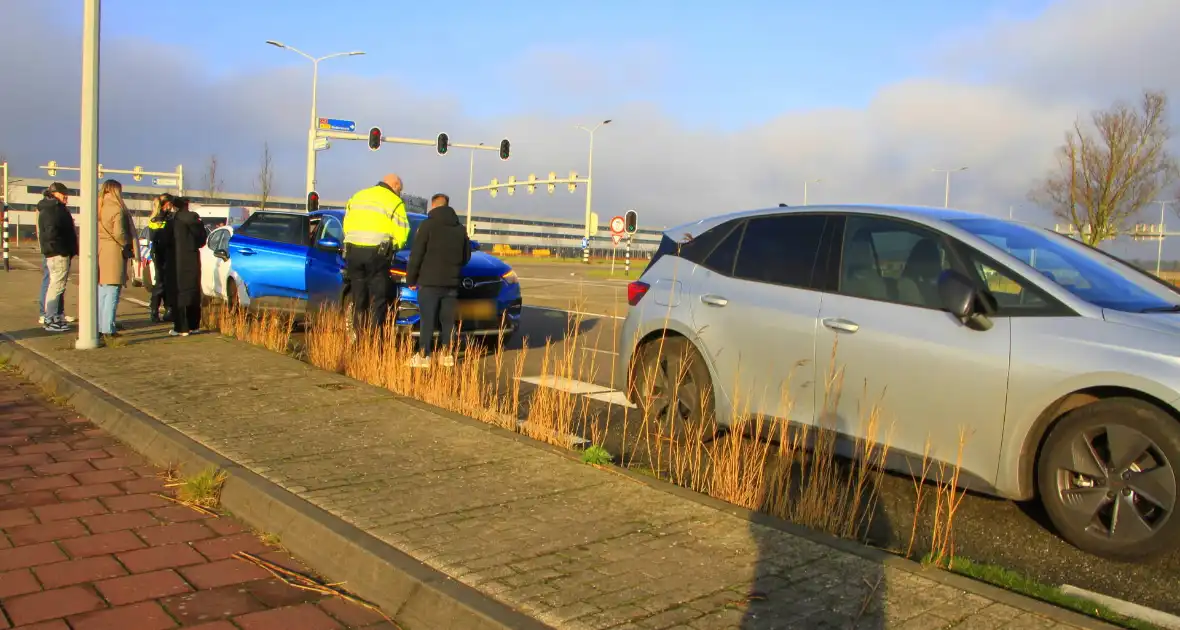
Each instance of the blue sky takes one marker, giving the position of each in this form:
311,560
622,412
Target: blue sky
708,66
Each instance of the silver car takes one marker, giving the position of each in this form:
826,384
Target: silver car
1061,362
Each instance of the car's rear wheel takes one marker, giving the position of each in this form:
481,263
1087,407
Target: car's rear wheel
1108,478
673,390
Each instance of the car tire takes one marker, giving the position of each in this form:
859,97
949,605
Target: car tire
1108,478
671,386
231,294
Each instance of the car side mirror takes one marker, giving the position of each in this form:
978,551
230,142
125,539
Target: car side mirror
475,246
221,253
329,243
960,298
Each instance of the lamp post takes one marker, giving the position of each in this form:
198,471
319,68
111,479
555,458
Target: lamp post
88,182
947,199
805,184
315,78
470,185
1159,254
590,185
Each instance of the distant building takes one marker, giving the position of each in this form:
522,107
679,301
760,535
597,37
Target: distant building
562,237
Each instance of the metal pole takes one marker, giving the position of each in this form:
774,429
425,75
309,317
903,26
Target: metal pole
589,193
805,193
470,186
4,212
946,202
315,79
180,180
88,200
1160,248
627,258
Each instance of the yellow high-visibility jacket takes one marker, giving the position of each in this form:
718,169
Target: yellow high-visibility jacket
375,215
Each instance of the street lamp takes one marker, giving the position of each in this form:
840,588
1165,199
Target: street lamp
470,185
947,201
805,183
589,184
315,77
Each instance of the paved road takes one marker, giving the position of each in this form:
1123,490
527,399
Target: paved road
86,540
1008,534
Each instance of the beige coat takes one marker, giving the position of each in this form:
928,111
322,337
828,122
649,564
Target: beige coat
113,234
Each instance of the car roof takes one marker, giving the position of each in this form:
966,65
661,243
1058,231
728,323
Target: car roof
922,214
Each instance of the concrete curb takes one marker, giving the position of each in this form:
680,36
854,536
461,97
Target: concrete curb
416,596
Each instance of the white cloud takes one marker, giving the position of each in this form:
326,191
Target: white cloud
160,108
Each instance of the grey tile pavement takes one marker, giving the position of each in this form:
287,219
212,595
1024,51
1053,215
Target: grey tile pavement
570,545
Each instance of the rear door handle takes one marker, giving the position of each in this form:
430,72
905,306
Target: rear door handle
714,300
246,251
841,325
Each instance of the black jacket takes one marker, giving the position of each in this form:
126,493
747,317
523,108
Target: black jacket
55,228
440,250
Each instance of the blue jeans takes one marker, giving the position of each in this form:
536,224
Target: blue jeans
55,293
108,303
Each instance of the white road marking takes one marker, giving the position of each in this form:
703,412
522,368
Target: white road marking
1129,609
581,388
610,352
565,310
613,285
137,301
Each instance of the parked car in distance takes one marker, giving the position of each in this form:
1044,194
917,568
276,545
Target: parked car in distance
292,261
1053,367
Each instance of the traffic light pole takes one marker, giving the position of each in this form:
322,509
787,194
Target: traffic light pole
136,173
89,171
346,135
4,211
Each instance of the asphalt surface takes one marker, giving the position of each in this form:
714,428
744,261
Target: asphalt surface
1012,535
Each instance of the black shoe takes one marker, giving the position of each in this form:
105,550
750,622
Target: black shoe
155,318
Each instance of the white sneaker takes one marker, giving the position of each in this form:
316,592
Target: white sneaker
446,360
418,362
41,320
70,319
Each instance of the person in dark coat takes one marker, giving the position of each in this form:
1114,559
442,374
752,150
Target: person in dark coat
440,251
59,245
188,237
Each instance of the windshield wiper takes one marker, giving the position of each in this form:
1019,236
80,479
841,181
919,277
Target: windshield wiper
1171,308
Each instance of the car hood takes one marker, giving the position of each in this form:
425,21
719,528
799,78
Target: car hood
481,264
1166,323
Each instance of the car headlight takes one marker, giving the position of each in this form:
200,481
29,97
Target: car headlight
510,277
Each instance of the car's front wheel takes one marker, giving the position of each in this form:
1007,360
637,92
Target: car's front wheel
673,390
1107,477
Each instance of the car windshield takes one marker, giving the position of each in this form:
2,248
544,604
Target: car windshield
414,223
1101,280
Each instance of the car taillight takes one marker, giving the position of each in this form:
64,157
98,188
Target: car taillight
635,292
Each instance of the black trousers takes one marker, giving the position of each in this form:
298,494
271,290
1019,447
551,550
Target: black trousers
158,298
437,307
368,279
186,318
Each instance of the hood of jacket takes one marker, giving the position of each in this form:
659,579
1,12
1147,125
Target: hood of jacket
446,214
48,203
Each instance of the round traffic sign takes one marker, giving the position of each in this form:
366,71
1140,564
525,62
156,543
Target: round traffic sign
617,225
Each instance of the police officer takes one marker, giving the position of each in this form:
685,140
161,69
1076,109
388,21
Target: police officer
375,227
162,209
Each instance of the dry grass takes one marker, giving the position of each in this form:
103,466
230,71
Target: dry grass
758,463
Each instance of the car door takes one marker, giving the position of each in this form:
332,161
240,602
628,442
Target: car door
269,253
211,264
911,374
325,265
755,310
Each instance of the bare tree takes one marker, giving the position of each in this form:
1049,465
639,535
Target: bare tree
1107,172
265,182
213,183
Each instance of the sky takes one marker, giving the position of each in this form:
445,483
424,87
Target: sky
714,109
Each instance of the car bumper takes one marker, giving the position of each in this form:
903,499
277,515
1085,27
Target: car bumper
507,318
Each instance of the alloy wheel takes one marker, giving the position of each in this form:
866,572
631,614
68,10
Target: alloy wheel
1115,483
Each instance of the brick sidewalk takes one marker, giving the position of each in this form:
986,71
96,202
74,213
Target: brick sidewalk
85,544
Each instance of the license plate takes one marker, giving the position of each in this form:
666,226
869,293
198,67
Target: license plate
476,310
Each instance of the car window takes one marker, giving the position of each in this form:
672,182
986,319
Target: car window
278,228
892,261
724,255
330,228
1103,281
1013,295
780,249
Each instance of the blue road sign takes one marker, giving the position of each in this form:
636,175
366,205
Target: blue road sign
585,242
336,124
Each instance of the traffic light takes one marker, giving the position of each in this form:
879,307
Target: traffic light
375,138
552,184
313,201
137,173
505,148
443,142
511,185
51,169
573,183
630,220
532,183
493,191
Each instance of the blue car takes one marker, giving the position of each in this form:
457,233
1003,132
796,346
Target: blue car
292,261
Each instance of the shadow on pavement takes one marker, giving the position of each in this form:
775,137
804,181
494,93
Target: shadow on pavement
543,326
